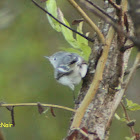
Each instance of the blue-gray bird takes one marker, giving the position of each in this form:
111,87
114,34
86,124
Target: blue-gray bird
69,68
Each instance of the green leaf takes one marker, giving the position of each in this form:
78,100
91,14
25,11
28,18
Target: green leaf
80,44
72,50
128,138
83,43
52,8
86,50
132,106
68,34
119,118
79,38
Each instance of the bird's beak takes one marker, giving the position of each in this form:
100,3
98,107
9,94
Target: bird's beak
47,57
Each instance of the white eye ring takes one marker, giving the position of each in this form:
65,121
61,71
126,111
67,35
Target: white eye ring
54,58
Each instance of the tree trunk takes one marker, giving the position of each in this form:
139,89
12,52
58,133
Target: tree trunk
97,118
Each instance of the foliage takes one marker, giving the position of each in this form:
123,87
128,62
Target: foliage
123,119
78,45
129,106
132,106
128,138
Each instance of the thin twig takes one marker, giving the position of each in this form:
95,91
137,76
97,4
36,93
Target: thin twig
114,5
102,16
117,27
88,20
101,10
89,39
36,104
12,116
123,49
128,119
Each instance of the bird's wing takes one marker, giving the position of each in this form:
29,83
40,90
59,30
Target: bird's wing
70,59
62,70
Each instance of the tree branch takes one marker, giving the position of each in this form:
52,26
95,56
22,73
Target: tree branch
95,83
95,114
101,15
123,49
117,27
114,4
120,93
89,39
101,10
36,104
88,20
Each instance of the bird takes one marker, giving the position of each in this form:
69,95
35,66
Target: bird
69,68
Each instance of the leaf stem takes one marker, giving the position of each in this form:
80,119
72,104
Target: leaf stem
128,119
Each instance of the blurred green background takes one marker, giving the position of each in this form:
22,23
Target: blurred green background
26,76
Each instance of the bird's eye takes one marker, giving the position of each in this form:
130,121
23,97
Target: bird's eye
54,58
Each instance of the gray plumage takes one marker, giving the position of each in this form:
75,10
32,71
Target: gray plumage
69,68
